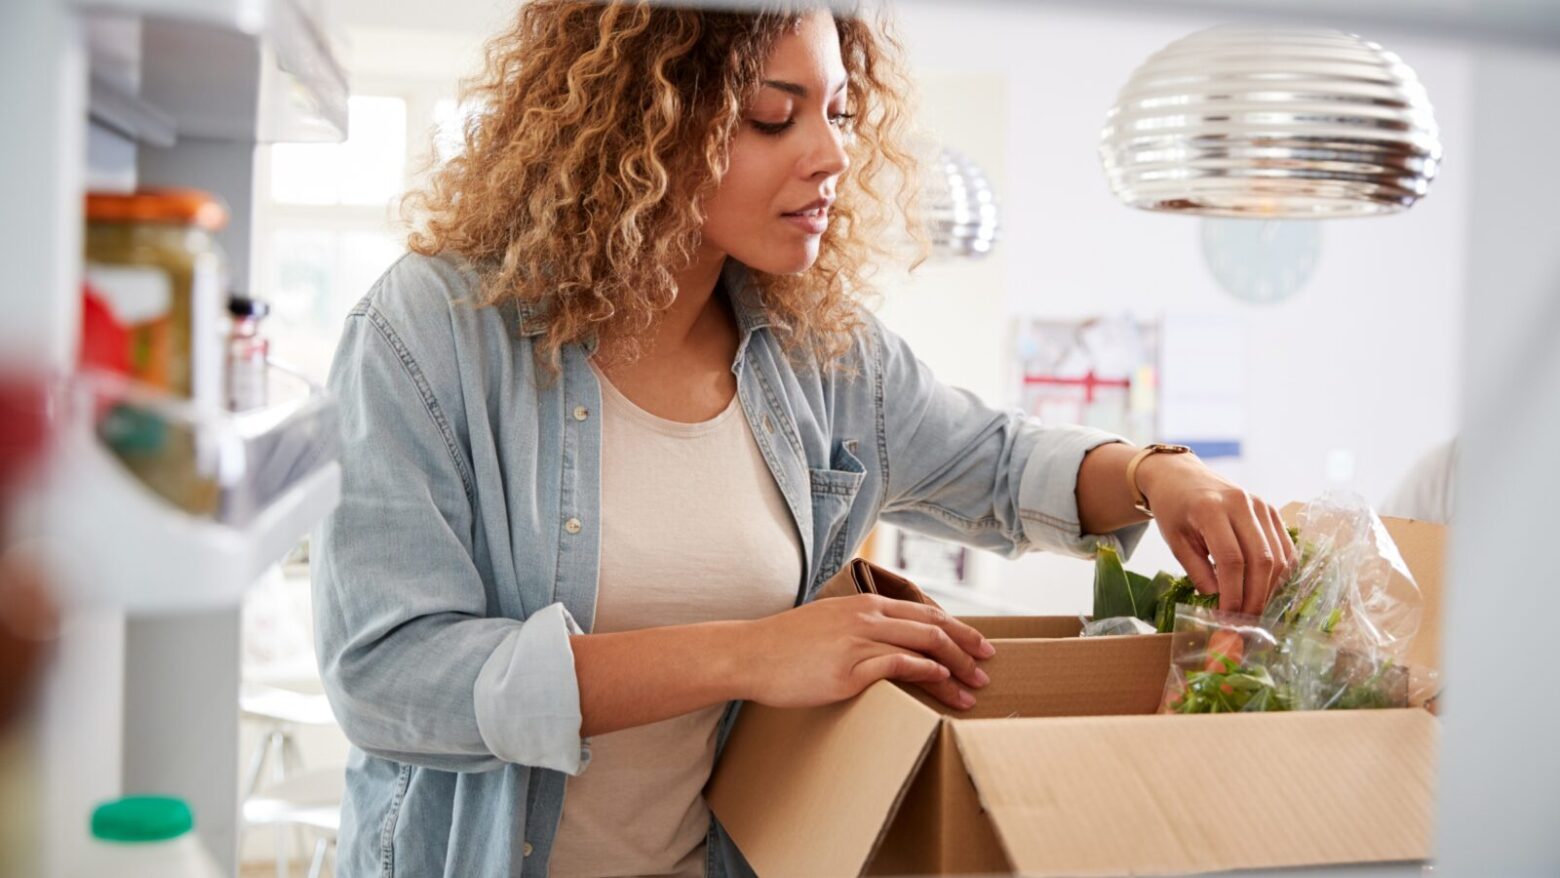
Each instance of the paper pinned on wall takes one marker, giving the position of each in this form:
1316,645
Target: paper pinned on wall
1202,393
1099,372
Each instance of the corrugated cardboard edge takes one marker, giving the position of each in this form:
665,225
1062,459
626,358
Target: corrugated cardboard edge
1152,795
939,828
811,792
1025,627
1423,546
899,798
1069,676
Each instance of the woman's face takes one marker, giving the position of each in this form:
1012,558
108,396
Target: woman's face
787,157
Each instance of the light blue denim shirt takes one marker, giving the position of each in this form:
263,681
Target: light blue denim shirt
464,552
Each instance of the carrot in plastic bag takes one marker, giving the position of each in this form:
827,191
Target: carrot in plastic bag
1225,651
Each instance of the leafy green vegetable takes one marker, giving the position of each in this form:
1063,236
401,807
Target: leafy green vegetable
1116,592
1298,668
1121,592
1232,691
1181,591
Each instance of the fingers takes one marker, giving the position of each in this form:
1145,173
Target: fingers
950,693
1281,532
1194,560
924,635
1283,550
910,667
1258,552
1251,553
967,638
933,642
1229,562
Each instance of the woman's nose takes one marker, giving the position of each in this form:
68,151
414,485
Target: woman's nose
828,156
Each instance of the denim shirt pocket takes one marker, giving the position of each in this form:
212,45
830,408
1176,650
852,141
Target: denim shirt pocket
833,492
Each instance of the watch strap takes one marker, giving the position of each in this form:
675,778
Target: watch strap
1139,500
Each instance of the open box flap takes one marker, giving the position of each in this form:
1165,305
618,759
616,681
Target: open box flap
810,792
1025,627
1423,547
1156,795
1070,677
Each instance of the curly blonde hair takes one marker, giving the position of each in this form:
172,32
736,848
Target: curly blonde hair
605,126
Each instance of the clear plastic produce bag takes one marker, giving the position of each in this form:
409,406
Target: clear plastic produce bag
1115,626
1331,637
1351,585
1228,663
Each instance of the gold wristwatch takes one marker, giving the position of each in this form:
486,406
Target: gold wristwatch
1139,501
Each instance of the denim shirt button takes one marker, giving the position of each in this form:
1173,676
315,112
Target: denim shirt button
526,849
581,413
572,525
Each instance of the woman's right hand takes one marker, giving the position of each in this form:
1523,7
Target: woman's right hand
830,650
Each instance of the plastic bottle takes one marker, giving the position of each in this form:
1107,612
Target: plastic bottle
246,358
146,837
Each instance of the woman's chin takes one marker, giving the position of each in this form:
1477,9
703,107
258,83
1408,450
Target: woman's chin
784,260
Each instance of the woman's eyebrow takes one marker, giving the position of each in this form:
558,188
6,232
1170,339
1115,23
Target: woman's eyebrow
795,88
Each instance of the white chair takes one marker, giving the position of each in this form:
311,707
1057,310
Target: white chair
308,801
294,800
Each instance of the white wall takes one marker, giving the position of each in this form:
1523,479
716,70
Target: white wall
1363,360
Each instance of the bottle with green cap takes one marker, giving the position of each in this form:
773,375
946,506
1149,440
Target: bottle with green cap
143,837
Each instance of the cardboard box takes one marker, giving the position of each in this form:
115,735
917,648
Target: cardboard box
1063,768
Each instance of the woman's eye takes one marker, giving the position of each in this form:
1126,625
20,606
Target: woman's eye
772,127
838,120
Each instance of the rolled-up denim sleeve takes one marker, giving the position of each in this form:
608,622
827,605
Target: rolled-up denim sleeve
417,666
959,469
531,675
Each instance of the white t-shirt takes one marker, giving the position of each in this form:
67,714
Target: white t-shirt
1428,492
694,529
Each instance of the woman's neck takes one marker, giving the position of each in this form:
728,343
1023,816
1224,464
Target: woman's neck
697,325
695,314
684,372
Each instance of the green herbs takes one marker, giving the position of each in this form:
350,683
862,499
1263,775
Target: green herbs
1232,689
1181,591
1120,592
1225,663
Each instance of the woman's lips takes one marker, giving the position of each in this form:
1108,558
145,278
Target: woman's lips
813,222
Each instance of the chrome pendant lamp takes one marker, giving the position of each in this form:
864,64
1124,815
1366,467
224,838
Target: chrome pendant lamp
1261,122
960,208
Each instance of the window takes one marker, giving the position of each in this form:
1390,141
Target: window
325,227
368,169
315,275
450,120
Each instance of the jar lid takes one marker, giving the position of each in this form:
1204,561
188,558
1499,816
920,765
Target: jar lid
190,207
142,819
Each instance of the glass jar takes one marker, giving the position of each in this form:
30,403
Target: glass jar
154,267
152,260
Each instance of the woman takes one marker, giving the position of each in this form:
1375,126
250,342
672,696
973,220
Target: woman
618,417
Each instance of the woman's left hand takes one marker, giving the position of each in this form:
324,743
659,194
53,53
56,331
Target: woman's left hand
1229,541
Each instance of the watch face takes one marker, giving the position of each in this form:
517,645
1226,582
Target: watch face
1260,260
